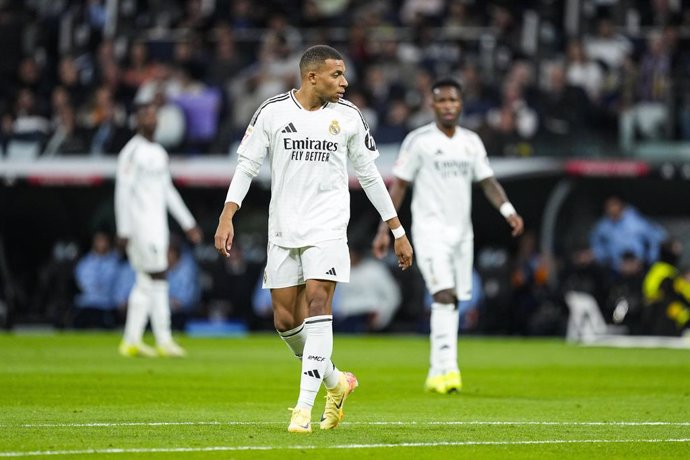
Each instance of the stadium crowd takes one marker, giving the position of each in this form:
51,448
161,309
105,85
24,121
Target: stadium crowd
535,75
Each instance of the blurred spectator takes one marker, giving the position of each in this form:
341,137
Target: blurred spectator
624,240
393,128
95,274
529,283
584,72
526,119
139,68
201,106
666,293
649,115
183,278
231,292
564,111
67,138
478,97
607,46
106,119
371,298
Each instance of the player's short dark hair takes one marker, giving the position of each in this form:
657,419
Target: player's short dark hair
315,56
447,82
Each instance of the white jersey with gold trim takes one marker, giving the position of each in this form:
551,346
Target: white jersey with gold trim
308,152
443,169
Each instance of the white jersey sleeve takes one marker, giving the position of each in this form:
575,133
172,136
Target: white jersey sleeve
362,152
125,180
409,160
176,205
251,154
481,168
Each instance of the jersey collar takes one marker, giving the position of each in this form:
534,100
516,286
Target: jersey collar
294,99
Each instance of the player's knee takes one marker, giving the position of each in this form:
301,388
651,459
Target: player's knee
446,296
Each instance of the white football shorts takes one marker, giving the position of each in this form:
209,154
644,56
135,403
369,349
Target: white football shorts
328,260
148,256
446,265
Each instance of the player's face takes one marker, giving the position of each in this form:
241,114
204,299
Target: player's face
330,80
447,105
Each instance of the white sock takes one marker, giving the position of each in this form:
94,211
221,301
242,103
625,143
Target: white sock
160,312
316,358
138,308
295,339
443,338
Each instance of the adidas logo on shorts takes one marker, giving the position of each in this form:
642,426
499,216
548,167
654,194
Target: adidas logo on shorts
331,272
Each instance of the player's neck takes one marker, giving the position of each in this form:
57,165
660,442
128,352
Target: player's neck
308,100
447,130
146,135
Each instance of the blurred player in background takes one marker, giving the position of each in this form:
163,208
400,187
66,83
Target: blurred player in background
443,160
308,135
144,192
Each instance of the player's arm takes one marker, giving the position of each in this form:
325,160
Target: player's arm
497,196
124,188
397,192
251,154
181,212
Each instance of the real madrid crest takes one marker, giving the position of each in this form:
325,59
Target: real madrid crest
334,128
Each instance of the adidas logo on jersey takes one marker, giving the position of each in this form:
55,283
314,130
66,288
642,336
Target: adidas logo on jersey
290,128
331,272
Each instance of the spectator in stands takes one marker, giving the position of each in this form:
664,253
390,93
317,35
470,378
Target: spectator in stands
564,110
393,127
67,138
607,46
106,120
95,274
183,278
624,240
649,114
583,72
371,298
139,68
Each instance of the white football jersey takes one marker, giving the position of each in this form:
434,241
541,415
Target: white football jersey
144,192
308,152
442,170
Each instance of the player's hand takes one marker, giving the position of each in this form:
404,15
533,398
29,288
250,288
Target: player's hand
379,247
403,250
516,224
224,235
194,234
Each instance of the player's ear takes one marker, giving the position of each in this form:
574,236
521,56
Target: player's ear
311,76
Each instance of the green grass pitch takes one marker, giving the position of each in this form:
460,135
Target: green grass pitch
72,396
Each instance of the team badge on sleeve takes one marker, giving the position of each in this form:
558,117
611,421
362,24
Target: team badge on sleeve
247,135
334,128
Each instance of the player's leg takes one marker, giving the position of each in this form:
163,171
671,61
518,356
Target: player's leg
463,261
324,265
138,310
160,317
434,260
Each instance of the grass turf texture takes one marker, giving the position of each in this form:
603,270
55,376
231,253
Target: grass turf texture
72,393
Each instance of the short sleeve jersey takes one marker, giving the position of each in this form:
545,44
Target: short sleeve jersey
443,169
307,153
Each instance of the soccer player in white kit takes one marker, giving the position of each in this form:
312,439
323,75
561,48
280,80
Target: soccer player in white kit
144,193
308,135
443,160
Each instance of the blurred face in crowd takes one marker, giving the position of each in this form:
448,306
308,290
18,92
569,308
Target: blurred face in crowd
329,80
447,105
101,243
613,208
